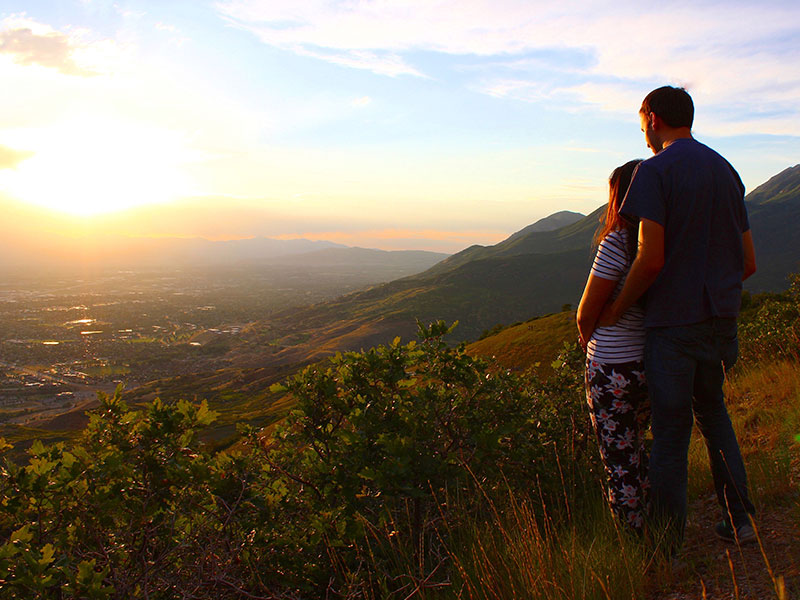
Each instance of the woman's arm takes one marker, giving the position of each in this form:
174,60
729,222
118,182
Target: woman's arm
595,296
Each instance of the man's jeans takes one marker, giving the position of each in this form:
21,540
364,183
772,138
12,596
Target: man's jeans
685,373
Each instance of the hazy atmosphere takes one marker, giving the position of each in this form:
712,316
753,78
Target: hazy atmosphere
393,125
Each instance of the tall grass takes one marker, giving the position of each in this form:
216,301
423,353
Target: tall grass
576,549
764,404
526,552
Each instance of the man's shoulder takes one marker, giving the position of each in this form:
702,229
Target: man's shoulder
688,148
687,152
679,150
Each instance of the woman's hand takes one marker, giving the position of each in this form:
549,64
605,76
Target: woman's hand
582,343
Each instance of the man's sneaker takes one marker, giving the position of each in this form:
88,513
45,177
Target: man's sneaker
744,534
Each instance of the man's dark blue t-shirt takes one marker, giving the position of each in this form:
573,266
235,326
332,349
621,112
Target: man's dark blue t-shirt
697,196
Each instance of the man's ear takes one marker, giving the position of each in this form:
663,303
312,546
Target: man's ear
656,122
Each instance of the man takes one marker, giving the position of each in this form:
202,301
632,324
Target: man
695,249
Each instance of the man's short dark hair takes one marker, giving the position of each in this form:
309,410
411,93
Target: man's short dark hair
673,105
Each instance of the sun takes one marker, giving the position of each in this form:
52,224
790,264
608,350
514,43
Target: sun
93,165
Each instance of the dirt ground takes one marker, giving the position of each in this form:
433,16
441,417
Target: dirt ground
711,568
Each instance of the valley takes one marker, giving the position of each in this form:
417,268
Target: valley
227,332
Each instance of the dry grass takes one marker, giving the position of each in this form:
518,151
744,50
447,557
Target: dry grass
529,344
523,552
764,404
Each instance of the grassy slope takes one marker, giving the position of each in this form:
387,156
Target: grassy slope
533,344
243,395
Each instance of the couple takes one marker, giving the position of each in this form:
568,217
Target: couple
658,321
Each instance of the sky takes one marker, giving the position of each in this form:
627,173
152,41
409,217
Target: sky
394,124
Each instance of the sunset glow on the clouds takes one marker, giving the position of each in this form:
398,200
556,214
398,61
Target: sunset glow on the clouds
356,121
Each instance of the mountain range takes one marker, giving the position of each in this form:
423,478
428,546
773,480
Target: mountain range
105,252
535,271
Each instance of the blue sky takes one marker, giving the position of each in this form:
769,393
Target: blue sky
391,124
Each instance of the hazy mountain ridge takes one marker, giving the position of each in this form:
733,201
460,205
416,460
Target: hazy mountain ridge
526,275
168,253
366,256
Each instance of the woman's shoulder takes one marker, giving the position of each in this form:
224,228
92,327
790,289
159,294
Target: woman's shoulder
617,238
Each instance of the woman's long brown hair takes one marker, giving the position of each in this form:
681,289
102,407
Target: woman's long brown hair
618,185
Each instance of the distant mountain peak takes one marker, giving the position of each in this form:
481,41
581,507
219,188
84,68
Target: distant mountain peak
780,187
550,223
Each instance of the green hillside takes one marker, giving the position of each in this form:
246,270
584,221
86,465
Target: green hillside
533,344
774,211
575,236
783,187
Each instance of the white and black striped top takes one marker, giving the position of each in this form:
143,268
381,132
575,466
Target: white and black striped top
623,341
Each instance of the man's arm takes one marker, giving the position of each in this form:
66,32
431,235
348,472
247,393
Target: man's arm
646,267
749,255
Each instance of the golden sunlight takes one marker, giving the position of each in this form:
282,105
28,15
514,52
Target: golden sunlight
94,165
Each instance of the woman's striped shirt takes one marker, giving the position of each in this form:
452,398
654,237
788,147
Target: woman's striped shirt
623,341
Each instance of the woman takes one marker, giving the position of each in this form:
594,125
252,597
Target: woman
616,390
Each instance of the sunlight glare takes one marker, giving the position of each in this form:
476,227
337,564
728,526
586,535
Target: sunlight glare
93,165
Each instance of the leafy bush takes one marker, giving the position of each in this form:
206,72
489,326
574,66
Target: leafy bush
769,327
356,494
135,509
393,441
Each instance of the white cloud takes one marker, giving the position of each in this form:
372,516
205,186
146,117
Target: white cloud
382,63
166,27
361,102
127,13
72,51
453,27
625,98
176,39
527,90
735,55
30,43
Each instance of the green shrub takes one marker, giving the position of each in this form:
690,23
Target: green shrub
356,494
135,509
769,327
391,443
